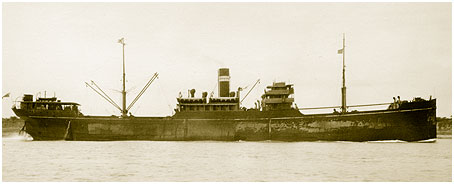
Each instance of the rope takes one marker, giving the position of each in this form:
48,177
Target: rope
377,104
212,91
165,97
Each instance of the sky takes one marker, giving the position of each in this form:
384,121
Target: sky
392,49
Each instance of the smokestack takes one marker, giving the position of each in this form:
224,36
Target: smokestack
224,82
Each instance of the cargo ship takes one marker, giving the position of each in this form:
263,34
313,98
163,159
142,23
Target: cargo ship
275,117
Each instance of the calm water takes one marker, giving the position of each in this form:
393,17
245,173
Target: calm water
225,161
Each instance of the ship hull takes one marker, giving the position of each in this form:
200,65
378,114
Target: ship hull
406,125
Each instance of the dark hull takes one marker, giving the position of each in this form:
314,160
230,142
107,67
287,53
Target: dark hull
412,124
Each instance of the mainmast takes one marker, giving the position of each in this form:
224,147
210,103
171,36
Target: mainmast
344,89
124,112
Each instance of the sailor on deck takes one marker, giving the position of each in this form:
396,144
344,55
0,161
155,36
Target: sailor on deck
395,104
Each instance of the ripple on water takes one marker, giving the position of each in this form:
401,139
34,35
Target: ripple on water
25,160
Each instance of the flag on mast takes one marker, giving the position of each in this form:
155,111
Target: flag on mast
122,41
340,51
6,95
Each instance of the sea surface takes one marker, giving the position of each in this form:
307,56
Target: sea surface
26,160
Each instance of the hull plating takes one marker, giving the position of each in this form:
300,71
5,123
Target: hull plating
407,125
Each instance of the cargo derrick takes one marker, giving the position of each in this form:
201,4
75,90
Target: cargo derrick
124,110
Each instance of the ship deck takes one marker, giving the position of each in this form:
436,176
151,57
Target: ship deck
320,115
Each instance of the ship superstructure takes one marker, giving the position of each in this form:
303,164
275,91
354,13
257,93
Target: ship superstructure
279,96
227,101
45,107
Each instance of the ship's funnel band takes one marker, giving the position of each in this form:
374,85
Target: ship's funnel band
224,78
224,82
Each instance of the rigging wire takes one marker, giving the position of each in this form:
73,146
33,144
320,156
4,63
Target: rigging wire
88,85
165,97
112,101
364,105
212,91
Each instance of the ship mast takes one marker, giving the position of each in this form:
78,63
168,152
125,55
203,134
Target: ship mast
344,89
124,112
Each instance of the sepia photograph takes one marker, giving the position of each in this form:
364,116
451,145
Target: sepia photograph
226,92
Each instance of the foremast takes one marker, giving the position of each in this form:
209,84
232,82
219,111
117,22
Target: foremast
124,111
